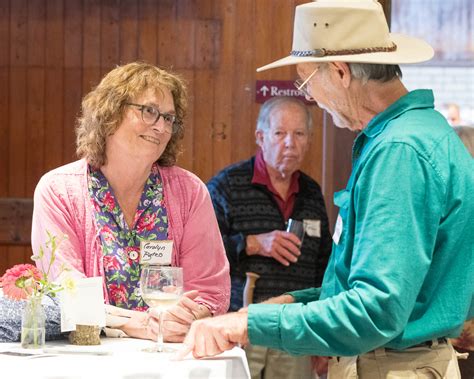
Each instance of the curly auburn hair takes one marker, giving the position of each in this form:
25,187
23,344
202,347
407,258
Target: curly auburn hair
102,109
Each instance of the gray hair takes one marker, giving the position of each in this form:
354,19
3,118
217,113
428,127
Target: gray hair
277,102
378,72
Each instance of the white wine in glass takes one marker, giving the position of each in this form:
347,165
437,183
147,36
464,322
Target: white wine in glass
161,287
161,300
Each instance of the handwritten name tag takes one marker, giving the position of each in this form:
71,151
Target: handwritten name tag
156,252
312,227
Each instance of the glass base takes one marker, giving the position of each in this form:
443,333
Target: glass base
33,338
165,349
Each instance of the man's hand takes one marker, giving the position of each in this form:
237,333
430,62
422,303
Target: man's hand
279,245
210,337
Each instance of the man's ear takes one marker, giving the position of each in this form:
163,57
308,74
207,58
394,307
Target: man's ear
259,137
343,72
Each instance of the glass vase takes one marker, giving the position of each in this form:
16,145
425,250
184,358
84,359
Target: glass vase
33,320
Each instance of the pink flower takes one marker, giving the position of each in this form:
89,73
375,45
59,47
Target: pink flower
118,293
25,281
138,214
20,281
109,201
107,235
111,263
147,222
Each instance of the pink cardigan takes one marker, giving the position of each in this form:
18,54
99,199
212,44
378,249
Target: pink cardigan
62,206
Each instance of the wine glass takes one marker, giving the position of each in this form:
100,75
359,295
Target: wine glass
161,288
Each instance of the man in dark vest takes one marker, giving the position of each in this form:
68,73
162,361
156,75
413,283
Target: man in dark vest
253,200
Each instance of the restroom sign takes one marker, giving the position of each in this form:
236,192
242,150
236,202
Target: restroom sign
266,89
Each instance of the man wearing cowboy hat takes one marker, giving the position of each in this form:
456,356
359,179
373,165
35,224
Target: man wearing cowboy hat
401,274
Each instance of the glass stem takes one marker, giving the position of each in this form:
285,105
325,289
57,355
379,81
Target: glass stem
159,342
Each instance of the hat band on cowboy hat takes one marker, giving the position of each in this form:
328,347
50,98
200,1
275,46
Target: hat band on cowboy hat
349,31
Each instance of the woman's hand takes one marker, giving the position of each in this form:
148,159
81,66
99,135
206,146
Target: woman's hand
178,319
138,325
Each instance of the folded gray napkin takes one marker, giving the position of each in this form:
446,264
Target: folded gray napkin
10,319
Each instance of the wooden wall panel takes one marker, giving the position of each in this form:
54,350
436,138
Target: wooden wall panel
4,111
54,86
4,99
207,36
222,80
57,50
91,52
202,129
181,34
128,30
168,32
18,98
109,34
243,81
73,42
147,30
15,221
35,78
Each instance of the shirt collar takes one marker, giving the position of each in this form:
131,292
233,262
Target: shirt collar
421,98
261,176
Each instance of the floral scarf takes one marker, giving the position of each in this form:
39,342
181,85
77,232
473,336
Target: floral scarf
121,244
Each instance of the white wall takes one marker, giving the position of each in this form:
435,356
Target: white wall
449,84
448,26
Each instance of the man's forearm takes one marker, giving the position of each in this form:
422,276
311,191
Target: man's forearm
282,299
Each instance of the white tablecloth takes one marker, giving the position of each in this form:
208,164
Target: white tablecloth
115,358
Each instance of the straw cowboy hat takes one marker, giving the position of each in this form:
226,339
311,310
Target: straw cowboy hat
349,31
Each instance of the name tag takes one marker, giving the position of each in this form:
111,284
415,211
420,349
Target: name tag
312,227
156,252
337,230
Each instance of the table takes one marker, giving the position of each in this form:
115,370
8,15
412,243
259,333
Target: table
115,358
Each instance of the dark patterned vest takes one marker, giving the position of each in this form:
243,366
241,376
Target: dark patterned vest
243,208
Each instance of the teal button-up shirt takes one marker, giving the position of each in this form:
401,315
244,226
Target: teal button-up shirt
402,269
